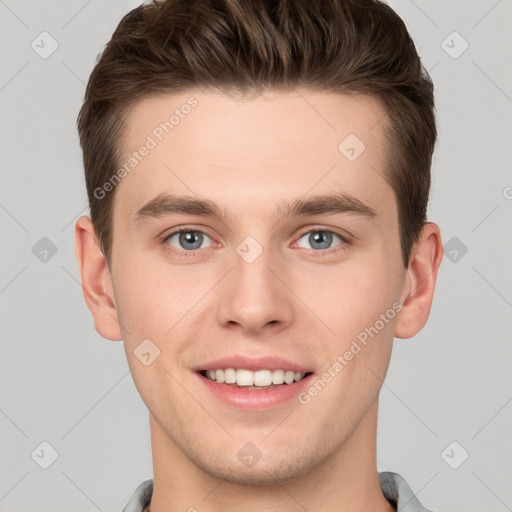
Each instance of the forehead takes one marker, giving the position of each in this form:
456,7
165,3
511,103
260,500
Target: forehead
248,151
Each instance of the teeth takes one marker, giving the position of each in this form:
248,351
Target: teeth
244,378
263,378
230,376
277,376
260,378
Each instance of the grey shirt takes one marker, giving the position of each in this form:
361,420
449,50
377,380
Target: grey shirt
394,488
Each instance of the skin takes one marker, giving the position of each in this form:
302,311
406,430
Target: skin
250,155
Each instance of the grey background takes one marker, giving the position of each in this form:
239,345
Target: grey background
63,384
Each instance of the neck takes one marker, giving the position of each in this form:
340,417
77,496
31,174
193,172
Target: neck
345,481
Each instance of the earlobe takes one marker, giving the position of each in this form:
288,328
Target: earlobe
96,280
424,262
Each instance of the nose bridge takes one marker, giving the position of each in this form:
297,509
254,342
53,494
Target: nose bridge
253,296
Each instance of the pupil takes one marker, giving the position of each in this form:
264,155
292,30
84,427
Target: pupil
188,238
319,236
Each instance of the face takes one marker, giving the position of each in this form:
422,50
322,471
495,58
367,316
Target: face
267,284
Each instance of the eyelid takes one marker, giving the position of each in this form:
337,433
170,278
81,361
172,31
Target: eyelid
346,241
344,235
182,229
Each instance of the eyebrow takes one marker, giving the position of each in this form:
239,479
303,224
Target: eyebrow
168,204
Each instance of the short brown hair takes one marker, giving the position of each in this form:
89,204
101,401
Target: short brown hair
240,46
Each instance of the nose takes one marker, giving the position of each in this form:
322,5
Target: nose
255,296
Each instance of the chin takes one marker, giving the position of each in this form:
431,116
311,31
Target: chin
264,472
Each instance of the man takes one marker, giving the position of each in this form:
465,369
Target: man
258,176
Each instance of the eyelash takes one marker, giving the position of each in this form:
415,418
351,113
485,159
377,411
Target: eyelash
194,253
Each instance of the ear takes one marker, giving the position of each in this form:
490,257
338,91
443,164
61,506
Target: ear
420,282
96,280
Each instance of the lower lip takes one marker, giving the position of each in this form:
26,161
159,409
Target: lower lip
255,399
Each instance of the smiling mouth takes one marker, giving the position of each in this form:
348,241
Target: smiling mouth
253,380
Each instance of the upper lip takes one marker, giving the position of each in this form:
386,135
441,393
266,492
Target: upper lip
253,364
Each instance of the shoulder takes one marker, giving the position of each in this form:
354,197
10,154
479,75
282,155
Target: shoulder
396,489
141,497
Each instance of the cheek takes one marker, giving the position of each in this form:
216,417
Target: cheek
350,299
358,307
152,297
359,303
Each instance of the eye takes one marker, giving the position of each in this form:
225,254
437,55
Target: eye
187,239
321,239
185,242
